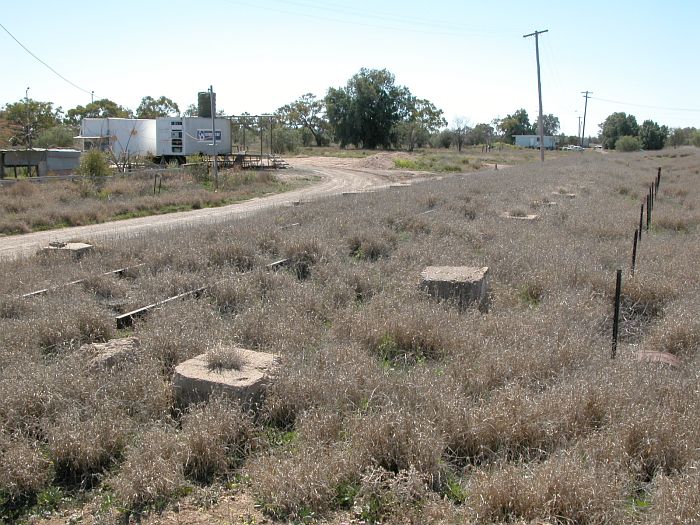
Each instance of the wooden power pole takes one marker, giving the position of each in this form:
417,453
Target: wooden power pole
536,34
586,95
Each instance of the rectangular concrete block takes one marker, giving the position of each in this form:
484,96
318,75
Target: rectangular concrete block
77,249
465,285
194,381
106,356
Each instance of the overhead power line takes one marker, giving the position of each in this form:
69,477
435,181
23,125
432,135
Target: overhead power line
642,105
44,63
363,18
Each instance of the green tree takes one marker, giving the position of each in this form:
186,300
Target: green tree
30,117
695,138
444,139
680,136
307,112
628,143
102,108
154,108
615,126
551,125
421,120
366,111
481,134
55,137
191,111
516,124
460,131
652,136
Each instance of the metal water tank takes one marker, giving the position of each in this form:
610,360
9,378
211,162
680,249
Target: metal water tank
204,104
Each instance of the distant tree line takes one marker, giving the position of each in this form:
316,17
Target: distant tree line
621,131
371,111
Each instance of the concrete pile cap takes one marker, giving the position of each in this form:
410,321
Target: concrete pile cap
528,217
104,356
649,356
194,381
454,274
69,246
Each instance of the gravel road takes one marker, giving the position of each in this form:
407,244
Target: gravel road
336,176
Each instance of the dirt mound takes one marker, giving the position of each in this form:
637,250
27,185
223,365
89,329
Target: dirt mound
380,161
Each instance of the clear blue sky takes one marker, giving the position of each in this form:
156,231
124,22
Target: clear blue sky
467,57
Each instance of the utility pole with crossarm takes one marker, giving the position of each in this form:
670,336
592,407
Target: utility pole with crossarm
536,34
586,95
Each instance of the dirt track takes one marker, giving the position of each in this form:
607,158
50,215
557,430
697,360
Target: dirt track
337,176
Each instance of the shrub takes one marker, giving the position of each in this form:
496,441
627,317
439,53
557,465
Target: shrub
94,163
628,143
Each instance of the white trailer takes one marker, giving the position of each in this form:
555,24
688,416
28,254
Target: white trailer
178,137
124,137
533,141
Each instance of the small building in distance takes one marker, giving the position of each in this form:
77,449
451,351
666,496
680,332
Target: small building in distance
40,161
533,141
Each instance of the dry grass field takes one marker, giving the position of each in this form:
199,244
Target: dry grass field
27,206
387,406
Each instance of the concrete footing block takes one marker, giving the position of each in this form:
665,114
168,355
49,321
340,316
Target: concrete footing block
465,285
649,356
76,249
526,217
194,381
105,356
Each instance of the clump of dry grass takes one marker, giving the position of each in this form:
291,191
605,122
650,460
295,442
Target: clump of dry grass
167,334
401,334
106,287
303,484
82,446
655,443
302,256
234,255
564,489
13,307
675,499
152,471
218,435
677,334
361,246
343,380
396,439
385,495
222,358
24,470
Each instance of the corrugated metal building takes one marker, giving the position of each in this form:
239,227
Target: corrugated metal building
42,161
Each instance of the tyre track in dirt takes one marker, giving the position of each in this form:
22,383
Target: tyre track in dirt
334,180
